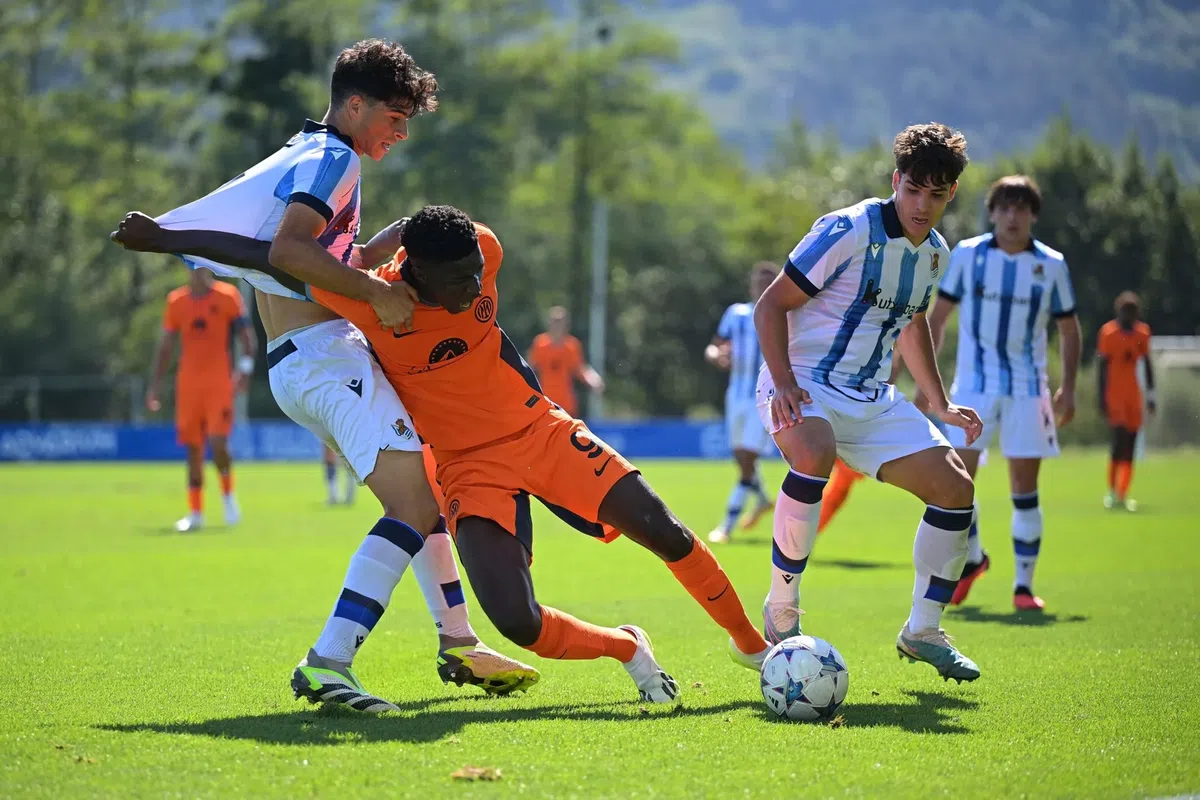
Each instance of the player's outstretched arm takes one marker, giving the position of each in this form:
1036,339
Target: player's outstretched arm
916,348
383,245
296,251
1070,342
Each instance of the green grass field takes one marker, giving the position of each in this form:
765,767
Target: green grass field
145,663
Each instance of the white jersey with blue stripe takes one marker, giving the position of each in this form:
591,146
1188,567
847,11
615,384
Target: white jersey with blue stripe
866,281
317,167
737,327
1007,302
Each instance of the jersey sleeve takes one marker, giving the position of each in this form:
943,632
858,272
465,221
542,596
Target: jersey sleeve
1062,294
170,318
725,326
953,283
815,260
319,177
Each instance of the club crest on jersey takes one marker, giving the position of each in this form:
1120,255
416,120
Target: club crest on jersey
1039,271
402,429
484,308
933,270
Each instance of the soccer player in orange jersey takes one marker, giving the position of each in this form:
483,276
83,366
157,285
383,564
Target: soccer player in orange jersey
499,440
1122,343
200,317
557,357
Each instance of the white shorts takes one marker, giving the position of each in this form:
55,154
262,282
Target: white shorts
745,429
1026,424
868,434
325,378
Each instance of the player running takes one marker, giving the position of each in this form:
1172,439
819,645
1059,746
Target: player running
857,286
1121,345
498,440
1010,287
287,226
558,359
735,348
200,317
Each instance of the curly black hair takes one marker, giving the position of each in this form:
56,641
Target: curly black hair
932,154
1018,190
439,234
381,71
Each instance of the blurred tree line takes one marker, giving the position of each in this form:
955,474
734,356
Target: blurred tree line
146,104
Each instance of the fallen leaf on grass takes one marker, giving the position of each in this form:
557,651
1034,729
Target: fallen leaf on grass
451,740
837,722
85,760
643,711
698,685
874,693
476,774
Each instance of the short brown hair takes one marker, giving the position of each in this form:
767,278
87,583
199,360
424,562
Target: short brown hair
932,154
1128,298
382,72
1018,190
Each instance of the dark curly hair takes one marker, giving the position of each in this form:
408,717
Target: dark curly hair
439,234
381,71
932,154
1018,190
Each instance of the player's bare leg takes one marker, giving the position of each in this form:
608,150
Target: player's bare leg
633,508
1026,530
978,561
497,565
746,462
810,451
939,478
223,461
195,480
1120,469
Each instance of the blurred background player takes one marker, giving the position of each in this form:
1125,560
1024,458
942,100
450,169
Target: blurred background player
332,461
201,317
1121,345
557,358
735,348
1010,287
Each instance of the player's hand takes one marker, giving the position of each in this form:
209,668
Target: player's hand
962,417
1064,406
787,407
393,304
152,402
139,233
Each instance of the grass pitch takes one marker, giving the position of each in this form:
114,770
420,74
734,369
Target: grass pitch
145,663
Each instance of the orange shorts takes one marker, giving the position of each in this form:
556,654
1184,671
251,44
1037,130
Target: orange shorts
846,473
201,414
556,459
431,474
1124,412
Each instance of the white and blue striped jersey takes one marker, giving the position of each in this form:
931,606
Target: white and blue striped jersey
866,281
317,167
737,327
1007,302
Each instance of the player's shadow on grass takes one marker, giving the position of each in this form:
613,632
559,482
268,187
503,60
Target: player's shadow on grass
932,713
424,723
1029,619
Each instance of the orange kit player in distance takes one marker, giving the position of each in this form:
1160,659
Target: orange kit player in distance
1122,343
200,317
498,440
557,357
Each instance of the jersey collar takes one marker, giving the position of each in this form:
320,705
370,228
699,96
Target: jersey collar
312,126
1029,248
891,219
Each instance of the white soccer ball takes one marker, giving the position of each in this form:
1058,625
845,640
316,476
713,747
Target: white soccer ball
804,678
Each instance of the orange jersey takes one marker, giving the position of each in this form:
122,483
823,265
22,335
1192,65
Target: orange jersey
557,367
1122,350
458,375
204,324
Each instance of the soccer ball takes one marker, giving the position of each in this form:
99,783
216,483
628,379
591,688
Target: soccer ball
804,678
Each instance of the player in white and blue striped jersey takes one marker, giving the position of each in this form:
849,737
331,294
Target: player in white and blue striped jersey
1009,287
735,348
290,222
857,286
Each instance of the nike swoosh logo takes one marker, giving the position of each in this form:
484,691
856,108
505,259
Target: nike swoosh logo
718,597
603,467
401,335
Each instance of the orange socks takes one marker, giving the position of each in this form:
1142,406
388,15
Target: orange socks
708,584
226,482
196,499
1124,478
836,492
566,638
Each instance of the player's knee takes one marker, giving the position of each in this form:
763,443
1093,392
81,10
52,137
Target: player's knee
520,625
956,490
633,508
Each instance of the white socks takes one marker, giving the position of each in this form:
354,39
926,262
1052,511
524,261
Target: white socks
939,553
